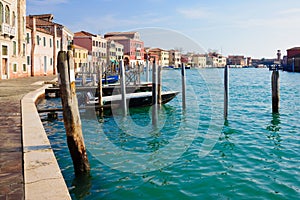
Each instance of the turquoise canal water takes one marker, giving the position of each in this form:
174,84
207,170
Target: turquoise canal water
193,154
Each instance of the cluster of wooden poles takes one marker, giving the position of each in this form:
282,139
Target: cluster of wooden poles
72,123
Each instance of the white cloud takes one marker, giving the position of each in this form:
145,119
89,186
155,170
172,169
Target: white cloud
290,11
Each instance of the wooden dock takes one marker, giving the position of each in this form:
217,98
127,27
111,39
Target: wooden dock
106,90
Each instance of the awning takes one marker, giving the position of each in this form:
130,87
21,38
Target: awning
114,61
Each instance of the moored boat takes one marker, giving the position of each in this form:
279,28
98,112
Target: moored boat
139,99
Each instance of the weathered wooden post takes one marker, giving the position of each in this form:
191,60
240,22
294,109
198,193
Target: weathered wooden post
123,88
183,85
154,94
94,76
83,79
147,69
72,122
100,89
226,91
139,74
159,85
275,90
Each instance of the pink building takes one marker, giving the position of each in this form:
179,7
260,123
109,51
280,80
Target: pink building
133,45
96,46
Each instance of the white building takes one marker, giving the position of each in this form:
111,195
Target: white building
199,60
44,39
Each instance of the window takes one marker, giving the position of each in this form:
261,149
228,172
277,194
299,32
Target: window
1,13
14,48
13,19
7,15
57,44
4,50
24,67
44,41
38,39
28,60
27,38
50,42
51,61
15,68
24,49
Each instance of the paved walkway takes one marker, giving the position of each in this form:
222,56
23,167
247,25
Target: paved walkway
11,147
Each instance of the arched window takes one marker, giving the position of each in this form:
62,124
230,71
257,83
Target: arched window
13,19
1,13
7,15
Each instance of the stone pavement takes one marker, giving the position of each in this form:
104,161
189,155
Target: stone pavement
11,147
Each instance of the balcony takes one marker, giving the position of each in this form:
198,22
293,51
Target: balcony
6,29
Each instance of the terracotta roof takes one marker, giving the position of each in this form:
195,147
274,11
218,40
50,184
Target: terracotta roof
117,38
41,22
294,48
83,33
126,34
46,17
156,49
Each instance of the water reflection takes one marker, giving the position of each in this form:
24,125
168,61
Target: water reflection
81,186
274,129
225,140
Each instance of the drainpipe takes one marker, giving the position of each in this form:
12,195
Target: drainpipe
33,38
54,48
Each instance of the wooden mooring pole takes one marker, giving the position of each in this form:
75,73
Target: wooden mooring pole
159,86
154,94
72,122
275,90
100,89
226,91
183,86
147,70
123,88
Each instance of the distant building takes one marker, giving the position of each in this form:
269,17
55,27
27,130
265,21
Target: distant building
236,61
199,60
44,39
80,55
114,51
96,46
133,45
12,39
293,60
162,56
214,59
174,58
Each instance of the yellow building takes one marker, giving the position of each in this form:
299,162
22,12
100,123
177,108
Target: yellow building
80,55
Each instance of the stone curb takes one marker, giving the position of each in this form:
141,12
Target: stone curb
42,176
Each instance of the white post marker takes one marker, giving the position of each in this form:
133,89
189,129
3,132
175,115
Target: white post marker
123,88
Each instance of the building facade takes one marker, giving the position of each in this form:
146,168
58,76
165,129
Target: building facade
133,45
174,58
96,46
12,39
293,60
236,61
80,55
44,39
199,60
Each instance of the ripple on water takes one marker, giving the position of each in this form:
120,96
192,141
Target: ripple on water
256,154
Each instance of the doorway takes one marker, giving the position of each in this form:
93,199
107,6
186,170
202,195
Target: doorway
4,68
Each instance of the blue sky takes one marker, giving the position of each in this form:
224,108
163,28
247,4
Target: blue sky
255,28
